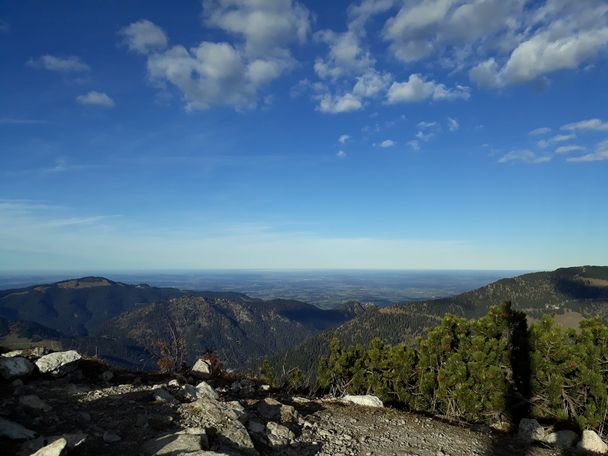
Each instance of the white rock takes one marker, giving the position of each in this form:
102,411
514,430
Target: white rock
592,442
531,431
54,449
203,389
13,353
58,363
15,431
173,383
202,369
11,368
562,439
34,402
367,400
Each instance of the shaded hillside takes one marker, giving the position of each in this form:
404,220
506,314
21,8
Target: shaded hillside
238,329
74,307
567,293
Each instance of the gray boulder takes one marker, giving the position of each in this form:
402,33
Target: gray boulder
203,389
34,402
58,363
15,431
174,444
562,439
592,443
531,431
278,435
162,395
11,368
366,400
54,449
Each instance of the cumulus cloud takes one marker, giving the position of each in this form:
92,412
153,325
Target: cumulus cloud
387,143
414,144
338,104
524,155
417,89
266,27
554,36
341,154
144,37
540,131
343,138
222,73
59,64
590,124
94,98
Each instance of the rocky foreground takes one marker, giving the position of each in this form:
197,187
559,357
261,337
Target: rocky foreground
61,404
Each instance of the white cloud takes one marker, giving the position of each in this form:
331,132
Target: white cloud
94,98
338,104
144,37
222,73
417,89
343,138
387,143
540,131
59,64
544,143
345,55
569,149
341,154
453,124
554,36
424,125
266,27
371,83
590,124
524,155
414,144
600,154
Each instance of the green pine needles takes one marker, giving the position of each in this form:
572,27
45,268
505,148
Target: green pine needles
489,370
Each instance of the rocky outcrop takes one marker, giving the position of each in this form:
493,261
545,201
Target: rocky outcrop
54,449
202,369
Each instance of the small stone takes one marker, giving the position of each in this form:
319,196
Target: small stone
265,387
202,369
592,442
269,408
288,414
34,402
174,383
54,449
366,400
111,437
255,427
11,368
15,431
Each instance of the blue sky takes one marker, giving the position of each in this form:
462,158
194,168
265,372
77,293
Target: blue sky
303,134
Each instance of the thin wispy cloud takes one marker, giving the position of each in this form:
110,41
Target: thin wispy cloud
49,62
95,98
